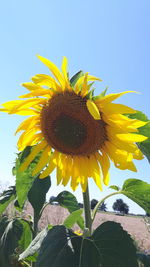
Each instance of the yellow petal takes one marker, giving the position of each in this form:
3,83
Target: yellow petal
84,88
84,184
23,104
105,165
31,86
65,68
51,166
138,154
95,171
56,72
67,170
132,137
111,97
35,150
46,80
44,159
58,175
80,81
112,108
27,138
93,109
28,123
39,92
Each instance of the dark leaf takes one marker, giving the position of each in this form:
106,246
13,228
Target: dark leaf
34,245
6,197
114,245
37,193
3,224
9,241
55,250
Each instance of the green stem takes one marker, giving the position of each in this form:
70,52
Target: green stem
101,201
87,210
35,225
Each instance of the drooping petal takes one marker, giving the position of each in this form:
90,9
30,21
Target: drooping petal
105,166
51,166
95,171
93,109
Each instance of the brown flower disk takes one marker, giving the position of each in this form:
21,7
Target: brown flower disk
68,126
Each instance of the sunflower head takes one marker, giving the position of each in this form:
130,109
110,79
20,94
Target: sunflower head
76,132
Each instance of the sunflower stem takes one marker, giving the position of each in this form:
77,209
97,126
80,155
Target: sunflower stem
87,211
101,201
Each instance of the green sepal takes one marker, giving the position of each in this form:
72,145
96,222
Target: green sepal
115,187
101,95
76,77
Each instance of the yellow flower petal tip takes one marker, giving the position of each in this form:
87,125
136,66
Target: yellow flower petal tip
93,109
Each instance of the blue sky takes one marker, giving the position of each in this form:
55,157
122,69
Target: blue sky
110,39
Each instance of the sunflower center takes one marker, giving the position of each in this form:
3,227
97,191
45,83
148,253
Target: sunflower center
70,131
68,126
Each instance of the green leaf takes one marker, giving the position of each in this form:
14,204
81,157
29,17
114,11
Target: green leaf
34,245
9,241
37,193
6,197
69,201
103,93
73,218
114,246
115,187
55,250
145,130
76,77
138,191
24,179
26,237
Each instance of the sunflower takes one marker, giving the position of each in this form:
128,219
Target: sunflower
75,132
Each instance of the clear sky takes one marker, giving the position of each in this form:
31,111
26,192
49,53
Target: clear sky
110,39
